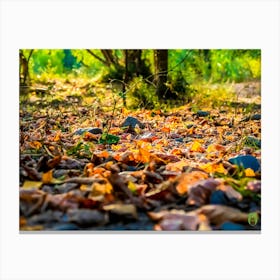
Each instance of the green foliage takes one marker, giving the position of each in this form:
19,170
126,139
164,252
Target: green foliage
141,94
193,65
209,95
81,149
108,139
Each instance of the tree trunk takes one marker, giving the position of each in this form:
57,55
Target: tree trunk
24,68
161,70
134,65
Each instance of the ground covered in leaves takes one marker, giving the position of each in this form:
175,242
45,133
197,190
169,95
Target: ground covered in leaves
86,163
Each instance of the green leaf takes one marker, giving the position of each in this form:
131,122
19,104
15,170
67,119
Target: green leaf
108,139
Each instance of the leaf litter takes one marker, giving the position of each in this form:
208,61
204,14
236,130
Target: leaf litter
148,170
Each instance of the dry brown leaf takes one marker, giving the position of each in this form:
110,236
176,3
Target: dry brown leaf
128,210
200,193
230,192
186,180
218,214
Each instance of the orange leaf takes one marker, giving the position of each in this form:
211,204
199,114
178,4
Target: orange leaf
176,166
47,177
103,154
57,136
249,172
177,152
165,129
144,155
186,180
35,145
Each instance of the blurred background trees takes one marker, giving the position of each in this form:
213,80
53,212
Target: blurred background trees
146,75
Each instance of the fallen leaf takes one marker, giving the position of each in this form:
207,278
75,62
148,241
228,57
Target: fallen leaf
249,172
144,155
132,186
28,185
35,145
125,210
218,214
197,147
213,167
254,186
176,166
86,217
199,193
47,177
188,179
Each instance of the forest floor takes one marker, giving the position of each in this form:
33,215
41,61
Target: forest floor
87,163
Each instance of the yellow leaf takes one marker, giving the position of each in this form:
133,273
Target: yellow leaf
249,172
213,167
85,188
215,148
35,145
197,147
32,185
47,177
98,189
132,186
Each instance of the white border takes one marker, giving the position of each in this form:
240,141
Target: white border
146,24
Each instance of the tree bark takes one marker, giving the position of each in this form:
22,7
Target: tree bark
161,70
24,68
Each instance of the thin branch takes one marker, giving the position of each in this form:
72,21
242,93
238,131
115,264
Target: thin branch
97,57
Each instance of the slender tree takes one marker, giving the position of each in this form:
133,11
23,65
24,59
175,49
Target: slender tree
161,71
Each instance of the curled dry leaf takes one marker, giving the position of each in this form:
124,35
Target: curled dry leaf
230,192
177,220
218,214
254,186
125,210
86,217
186,180
199,193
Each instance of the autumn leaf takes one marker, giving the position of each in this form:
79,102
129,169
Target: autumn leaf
47,177
143,155
188,179
35,145
165,129
132,186
249,172
98,189
213,167
103,154
57,136
199,193
27,185
218,214
214,148
197,147
176,166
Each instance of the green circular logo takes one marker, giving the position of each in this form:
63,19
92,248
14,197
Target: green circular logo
253,218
